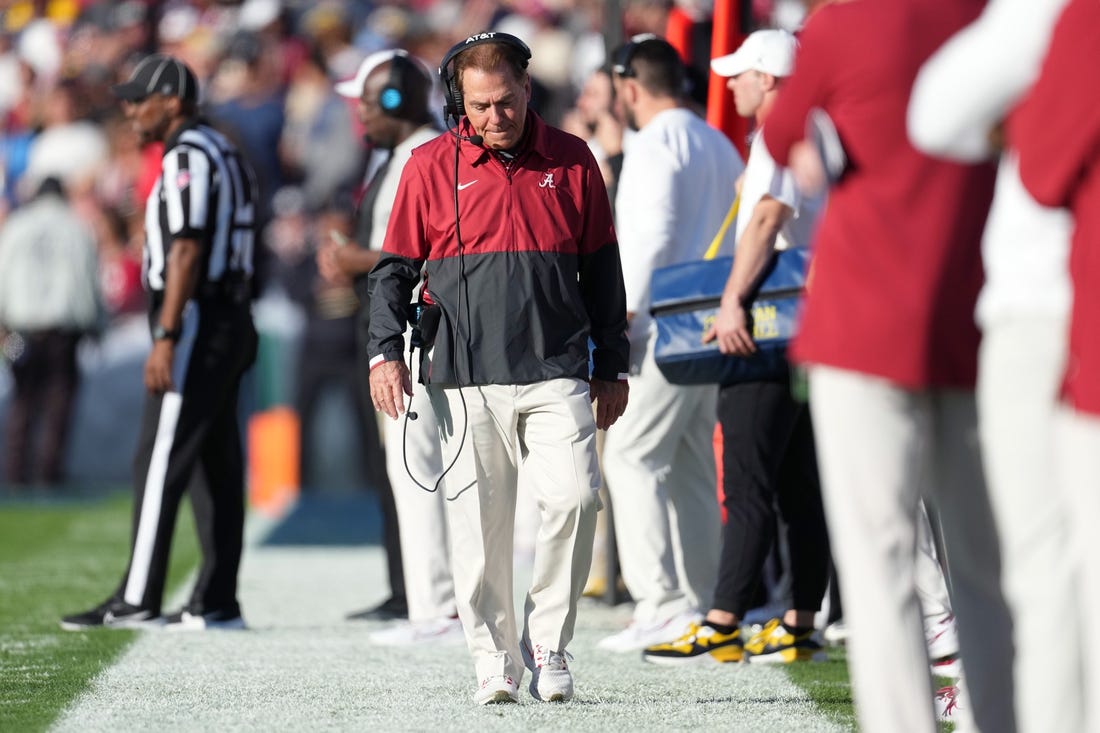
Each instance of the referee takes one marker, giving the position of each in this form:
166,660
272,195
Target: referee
197,267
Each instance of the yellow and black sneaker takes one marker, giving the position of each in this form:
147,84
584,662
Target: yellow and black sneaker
700,644
775,643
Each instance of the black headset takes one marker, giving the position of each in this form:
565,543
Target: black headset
393,98
452,95
624,55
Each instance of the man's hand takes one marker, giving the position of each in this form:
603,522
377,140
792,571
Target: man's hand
610,399
731,329
158,367
387,383
329,267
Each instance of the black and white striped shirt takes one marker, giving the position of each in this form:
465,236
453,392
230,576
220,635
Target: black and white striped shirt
207,192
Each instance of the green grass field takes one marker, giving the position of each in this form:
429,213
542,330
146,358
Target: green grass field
58,558
63,556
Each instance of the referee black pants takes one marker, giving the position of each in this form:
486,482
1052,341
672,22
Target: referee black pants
193,428
768,459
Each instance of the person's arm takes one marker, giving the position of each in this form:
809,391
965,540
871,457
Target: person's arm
187,181
181,278
732,328
1056,129
644,207
809,86
349,259
966,88
600,278
389,286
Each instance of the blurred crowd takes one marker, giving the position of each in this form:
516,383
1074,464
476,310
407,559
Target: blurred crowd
267,68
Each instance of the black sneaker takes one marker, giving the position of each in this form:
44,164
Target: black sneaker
112,614
393,609
187,621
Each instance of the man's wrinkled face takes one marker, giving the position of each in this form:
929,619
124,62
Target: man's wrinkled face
496,105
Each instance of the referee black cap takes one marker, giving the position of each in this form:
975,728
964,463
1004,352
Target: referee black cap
159,74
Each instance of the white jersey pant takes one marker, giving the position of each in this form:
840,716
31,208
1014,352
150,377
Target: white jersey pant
881,448
931,584
658,460
557,444
1021,363
1078,466
413,454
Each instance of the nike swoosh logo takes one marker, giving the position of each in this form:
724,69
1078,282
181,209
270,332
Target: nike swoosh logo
464,186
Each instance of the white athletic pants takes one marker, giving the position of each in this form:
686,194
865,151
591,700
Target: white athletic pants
935,602
1021,363
658,460
1078,461
557,443
421,516
880,448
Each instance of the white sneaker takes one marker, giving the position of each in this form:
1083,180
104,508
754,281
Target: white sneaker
437,630
836,633
496,689
551,680
639,635
216,620
941,635
953,706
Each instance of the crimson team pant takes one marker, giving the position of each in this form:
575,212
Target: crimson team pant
193,428
488,432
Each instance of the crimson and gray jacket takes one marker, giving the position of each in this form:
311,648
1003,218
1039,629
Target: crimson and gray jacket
537,275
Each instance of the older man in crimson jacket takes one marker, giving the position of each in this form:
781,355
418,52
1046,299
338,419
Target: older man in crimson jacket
512,220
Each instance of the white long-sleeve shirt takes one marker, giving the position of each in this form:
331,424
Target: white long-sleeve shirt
963,91
48,269
676,186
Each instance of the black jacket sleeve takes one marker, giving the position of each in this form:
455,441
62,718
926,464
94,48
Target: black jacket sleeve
389,286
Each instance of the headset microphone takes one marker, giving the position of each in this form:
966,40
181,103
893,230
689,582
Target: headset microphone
477,140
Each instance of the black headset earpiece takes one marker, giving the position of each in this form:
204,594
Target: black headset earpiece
452,95
620,62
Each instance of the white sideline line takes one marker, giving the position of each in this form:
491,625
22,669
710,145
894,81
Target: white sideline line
302,667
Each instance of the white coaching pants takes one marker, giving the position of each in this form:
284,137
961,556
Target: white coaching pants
881,448
1020,365
557,444
421,516
658,459
1078,463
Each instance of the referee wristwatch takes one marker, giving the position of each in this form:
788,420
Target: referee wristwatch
160,333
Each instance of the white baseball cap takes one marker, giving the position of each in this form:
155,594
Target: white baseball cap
770,51
354,87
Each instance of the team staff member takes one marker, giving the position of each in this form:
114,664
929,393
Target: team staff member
888,333
768,441
514,223
677,182
1056,133
199,230
393,92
